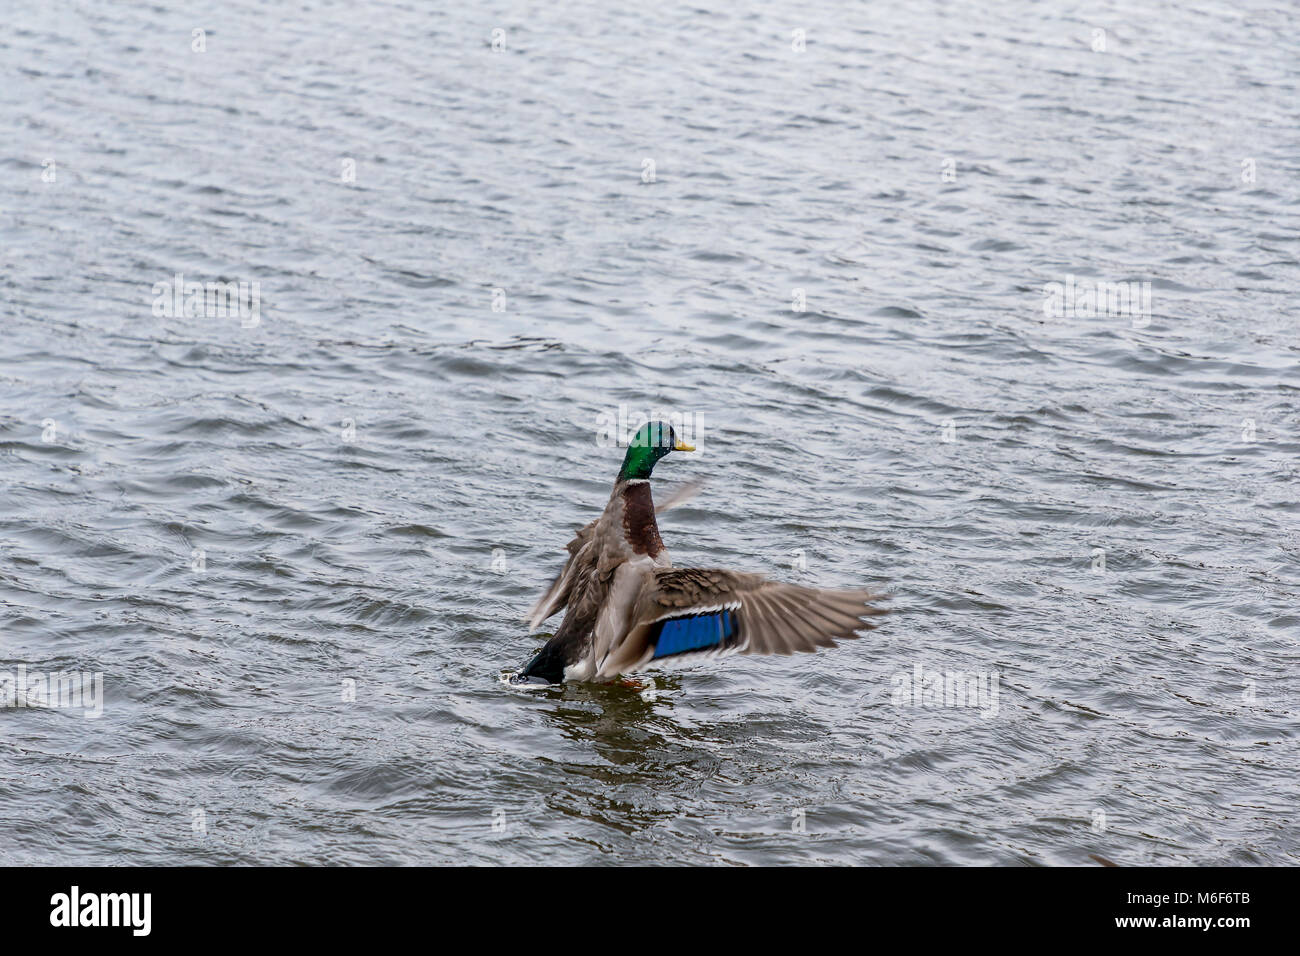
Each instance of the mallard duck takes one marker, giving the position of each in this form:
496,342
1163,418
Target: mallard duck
628,607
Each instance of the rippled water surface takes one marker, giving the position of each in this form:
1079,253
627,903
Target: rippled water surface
1100,510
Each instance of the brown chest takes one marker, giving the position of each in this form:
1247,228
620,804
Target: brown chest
639,526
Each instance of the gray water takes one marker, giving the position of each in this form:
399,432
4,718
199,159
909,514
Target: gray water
462,261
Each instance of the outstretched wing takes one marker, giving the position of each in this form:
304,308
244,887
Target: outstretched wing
702,611
680,495
557,595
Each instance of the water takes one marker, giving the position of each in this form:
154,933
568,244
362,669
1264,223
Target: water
1100,533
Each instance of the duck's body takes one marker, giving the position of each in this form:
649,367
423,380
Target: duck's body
627,606
608,561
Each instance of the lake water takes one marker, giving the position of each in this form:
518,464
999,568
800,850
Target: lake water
859,248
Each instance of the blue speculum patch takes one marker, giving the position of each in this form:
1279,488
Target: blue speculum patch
696,633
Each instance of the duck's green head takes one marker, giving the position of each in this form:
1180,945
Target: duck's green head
651,442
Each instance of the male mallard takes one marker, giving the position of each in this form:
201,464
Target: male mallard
629,607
